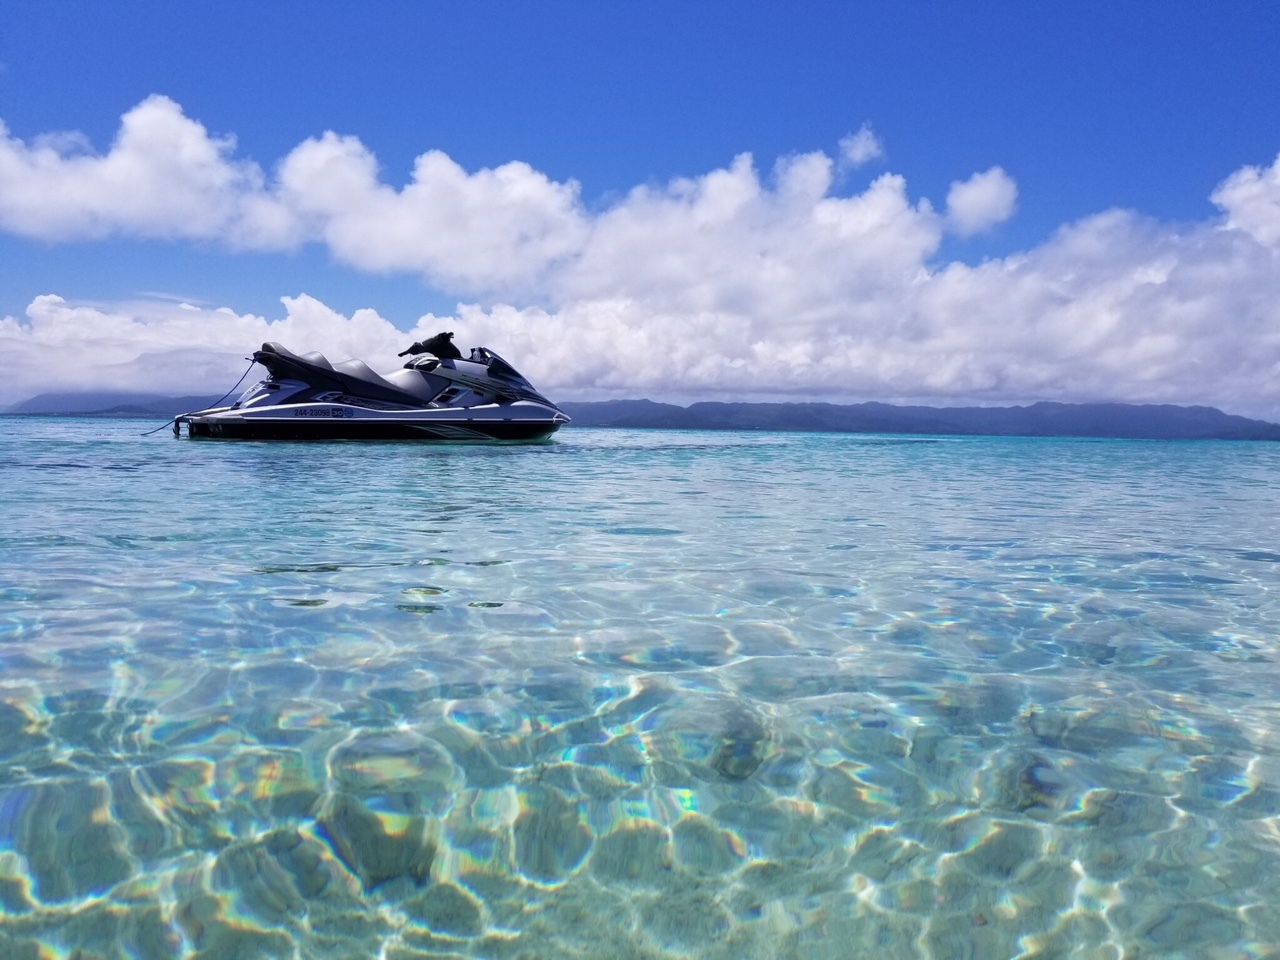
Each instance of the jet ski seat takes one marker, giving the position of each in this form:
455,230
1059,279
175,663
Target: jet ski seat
349,376
315,358
360,370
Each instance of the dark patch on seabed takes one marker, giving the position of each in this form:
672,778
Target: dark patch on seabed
1261,556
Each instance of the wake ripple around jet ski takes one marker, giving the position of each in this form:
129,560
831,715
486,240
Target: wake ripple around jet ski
437,395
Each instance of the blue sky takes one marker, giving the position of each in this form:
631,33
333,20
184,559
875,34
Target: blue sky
1140,110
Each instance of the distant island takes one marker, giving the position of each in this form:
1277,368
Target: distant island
1106,420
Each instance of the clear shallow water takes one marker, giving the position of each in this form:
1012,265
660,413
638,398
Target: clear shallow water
637,694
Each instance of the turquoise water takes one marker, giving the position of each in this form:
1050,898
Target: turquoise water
637,694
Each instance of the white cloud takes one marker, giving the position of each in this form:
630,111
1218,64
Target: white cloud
1112,308
726,244
494,229
1250,197
733,284
164,176
981,202
861,147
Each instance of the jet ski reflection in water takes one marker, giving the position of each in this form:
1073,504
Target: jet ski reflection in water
436,395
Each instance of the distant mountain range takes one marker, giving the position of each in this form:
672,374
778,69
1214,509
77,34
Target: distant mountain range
1118,420
1115,420
109,404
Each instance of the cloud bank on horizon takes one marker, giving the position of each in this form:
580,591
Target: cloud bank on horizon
733,284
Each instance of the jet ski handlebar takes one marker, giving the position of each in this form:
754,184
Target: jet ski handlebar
441,345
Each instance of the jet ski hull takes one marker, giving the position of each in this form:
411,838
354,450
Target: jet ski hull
347,423
228,428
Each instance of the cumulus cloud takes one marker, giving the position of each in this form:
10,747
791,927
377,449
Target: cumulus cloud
493,229
740,283
1250,197
1115,307
981,202
165,176
861,147
725,243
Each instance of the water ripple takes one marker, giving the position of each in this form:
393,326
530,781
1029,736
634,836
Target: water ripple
641,694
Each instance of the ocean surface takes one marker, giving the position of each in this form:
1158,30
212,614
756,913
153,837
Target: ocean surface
637,694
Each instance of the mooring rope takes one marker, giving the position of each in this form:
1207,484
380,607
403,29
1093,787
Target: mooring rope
212,405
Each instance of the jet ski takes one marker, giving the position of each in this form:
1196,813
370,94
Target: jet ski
437,395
